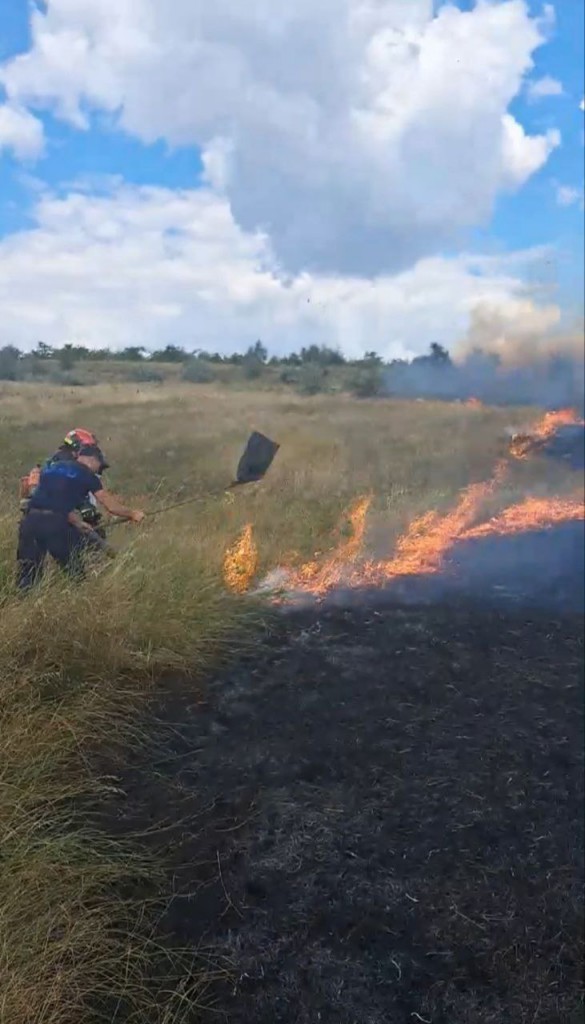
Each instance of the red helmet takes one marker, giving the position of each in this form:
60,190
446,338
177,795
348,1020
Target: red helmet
80,437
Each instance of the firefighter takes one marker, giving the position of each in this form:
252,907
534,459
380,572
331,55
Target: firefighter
68,451
51,524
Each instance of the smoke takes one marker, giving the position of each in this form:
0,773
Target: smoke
514,353
520,333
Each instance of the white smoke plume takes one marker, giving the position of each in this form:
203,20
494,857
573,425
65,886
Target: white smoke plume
515,353
521,332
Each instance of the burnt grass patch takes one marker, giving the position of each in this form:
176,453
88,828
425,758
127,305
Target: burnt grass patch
376,818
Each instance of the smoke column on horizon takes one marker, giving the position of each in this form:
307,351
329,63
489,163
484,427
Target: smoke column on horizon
514,353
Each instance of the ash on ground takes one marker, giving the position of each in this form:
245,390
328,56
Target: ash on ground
376,818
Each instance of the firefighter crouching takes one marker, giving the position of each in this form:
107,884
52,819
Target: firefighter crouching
68,451
52,524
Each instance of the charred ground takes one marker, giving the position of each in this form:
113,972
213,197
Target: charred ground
380,819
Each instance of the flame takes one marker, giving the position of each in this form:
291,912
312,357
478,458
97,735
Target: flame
524,443
474,403
320,577
531,514
427,542
551,422
241,562
422,549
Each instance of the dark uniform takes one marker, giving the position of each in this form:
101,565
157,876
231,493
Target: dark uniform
68,452
87,509
45,528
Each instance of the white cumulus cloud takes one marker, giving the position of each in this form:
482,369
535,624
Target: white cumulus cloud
20,132
153,266
524,153
544,88
360,135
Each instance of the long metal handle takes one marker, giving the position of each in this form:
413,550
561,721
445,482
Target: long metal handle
190,501
185,501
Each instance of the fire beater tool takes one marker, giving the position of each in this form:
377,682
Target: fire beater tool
255,462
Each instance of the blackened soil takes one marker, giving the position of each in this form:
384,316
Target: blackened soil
381,820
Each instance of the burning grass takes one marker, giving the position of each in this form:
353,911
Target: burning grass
531,514
240,562
526,442
427,542
78,666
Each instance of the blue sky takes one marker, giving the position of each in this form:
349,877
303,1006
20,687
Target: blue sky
530,217
546,210
533,215
73,155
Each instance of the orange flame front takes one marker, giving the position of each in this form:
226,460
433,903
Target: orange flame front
320,577
530,514
525,443
424,547
241,562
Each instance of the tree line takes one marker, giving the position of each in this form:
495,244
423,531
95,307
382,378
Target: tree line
554,380
310,370
67,356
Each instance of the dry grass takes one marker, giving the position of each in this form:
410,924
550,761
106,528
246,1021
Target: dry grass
76,667
77,663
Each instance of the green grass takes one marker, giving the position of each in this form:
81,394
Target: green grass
78,664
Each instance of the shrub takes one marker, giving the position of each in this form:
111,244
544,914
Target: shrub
288,376
144,375
67,380
10,368
311,379
252,366
196,371
367,381
66,357
34,367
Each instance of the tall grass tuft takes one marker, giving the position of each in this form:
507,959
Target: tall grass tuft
77,665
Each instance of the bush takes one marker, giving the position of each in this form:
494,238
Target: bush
252,366
10,368
144,375
311,379
67,380
367,381
289,376
196,371
66,357
170,354
34,367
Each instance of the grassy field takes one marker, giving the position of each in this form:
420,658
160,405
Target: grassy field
77,665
